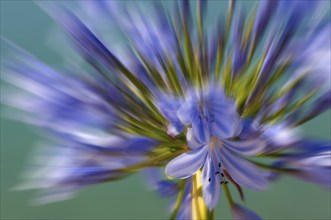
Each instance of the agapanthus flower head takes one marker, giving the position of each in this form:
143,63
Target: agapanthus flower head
213,122
200,103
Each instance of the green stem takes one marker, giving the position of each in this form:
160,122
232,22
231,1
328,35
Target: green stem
211,214
278,169
179,199
228,194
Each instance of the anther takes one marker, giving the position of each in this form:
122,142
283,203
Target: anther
222,174
209,179
219,165
217,173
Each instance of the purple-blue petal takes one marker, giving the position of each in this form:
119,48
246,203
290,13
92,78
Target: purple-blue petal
249,147
186,164
192,141
187,112
200,130
243,172
210,184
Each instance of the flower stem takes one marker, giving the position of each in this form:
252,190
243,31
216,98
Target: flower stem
211,214
228,195
273,168
179,199
199,209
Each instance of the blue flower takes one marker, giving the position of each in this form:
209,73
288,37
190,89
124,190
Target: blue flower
168,107
241,213
311,162
207,109
210,114
61,170
278,136
49,96
213,122
171,188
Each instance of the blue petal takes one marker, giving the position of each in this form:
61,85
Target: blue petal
250,128
225,125
246,147
241,213
168,107
225,118
210,184
140,145
186,164
187,112
218,102
263,16
56,194
317,175
164,187
313,147
322,104
242,171
192,142
200,129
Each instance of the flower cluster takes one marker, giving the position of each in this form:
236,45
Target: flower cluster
198,98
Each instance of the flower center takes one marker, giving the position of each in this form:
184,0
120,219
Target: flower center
215,143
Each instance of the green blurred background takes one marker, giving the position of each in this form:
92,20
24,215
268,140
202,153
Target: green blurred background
27,25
